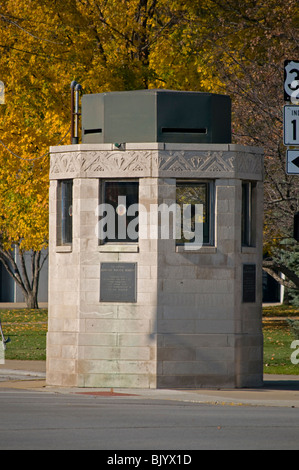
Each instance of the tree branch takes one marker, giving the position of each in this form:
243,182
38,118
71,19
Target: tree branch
274,268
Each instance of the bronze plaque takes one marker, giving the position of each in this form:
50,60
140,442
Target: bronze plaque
118,282
249,283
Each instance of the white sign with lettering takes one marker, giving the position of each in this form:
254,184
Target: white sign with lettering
291,125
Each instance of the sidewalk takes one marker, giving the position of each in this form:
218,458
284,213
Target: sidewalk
22,374
278,390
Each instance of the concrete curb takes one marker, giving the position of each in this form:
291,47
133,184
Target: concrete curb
278,390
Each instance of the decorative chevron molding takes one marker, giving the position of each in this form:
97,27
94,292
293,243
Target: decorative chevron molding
64,163
147,163
249,163
196,161
115,161
100,163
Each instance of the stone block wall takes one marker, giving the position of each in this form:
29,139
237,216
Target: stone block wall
189,327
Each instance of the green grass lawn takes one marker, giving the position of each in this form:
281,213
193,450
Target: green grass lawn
27,330
278,338
277,350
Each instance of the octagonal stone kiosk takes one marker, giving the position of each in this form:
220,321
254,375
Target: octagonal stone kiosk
130,305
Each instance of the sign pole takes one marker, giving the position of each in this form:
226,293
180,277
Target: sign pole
291,124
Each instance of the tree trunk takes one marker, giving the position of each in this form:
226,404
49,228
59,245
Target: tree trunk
31,300
28,283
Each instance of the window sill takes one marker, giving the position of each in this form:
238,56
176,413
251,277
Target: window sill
64,249
248,249
189,249
118,248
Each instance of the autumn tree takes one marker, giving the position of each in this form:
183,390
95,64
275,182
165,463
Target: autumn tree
24,215
257,85
247,42
232,46
28,125
44,46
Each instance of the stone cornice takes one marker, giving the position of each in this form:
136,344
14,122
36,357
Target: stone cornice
156,160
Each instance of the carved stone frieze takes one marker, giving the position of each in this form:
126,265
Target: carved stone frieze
206,163
249,163
114,162
100,164
186,161
64,163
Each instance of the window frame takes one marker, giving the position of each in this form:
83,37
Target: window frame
103,184
248,214
64,220
211,208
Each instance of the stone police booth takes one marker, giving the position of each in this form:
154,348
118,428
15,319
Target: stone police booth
136,298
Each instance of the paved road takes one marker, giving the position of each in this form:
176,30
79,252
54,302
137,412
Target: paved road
37,417
35,420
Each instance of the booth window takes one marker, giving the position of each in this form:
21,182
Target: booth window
119,212
248,194
188,195
64,212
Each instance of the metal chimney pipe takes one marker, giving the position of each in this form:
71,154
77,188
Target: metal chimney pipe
73,85
78,89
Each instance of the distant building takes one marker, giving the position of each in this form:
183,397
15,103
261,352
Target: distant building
272,290
10,291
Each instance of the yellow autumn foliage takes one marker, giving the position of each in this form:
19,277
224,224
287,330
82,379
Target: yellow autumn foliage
107,46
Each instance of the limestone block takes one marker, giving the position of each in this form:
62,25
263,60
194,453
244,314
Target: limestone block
136,340
99,340
117,380
189,327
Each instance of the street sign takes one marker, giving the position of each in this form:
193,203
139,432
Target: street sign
291,81
291,125
292,162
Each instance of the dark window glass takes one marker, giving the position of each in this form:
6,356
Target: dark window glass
247,214
65,212
120,223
